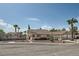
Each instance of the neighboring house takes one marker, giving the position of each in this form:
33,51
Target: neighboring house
64,35
68,35
34,34
2,35
38,34
41,33
14,36
58,35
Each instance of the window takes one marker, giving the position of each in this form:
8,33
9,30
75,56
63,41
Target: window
48,35
33,35
38,35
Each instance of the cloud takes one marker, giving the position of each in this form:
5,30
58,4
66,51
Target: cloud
33,19
46,27
23,29
77,18
2,22
5,26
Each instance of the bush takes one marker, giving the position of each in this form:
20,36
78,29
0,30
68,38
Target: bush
51,38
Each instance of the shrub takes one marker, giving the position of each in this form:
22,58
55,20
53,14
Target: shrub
51,38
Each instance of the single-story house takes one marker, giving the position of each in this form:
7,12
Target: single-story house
42,33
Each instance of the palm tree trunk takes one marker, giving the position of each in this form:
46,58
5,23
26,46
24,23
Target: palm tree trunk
18,30
72,37
15,30
72,33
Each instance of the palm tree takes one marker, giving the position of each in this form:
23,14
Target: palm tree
71,22
18,29
15,26
29,27
25,34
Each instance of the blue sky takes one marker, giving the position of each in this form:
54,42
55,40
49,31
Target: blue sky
44,15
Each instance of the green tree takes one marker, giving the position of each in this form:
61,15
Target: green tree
63,29
15,26
71,22
2,34
53,29
40,28
51,38
58,29
24,32
1,30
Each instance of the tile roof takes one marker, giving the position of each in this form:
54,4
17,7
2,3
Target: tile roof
39,31
43,31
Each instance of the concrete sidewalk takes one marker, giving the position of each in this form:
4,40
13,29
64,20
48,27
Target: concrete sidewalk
33,43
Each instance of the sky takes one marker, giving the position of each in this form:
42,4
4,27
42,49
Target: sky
45,15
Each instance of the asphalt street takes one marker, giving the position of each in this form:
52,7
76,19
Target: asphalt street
39,49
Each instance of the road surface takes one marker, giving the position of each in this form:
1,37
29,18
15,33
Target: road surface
38,49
